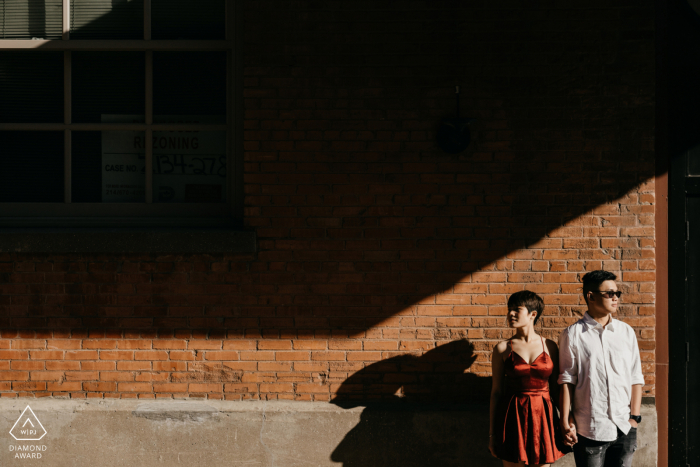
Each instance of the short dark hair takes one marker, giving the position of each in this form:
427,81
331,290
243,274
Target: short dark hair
529,300
593,279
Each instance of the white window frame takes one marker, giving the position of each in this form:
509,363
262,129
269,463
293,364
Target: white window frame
146,213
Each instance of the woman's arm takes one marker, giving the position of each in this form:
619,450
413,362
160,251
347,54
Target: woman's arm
568,427
568,377
558,396
553,378
496,390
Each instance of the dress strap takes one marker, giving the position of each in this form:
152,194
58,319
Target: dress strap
510,343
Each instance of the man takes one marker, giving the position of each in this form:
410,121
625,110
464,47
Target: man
601,377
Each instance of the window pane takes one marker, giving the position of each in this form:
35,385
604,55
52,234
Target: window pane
108,167
177,19
106,19
189,166
107,83
32,166
189,83
31,87
26,19
694,161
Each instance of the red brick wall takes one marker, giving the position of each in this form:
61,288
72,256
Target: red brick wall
374,245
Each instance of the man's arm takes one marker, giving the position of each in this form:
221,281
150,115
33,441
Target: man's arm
637,379
636,402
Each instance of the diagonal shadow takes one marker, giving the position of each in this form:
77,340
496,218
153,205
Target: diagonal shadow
368,230
363,223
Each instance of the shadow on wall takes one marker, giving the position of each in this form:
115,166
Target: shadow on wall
369,220
396,432
437,375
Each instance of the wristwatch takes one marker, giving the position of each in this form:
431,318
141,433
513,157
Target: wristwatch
636,418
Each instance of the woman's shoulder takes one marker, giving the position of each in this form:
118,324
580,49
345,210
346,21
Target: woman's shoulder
501,347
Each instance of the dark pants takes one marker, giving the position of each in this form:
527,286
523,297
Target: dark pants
618,453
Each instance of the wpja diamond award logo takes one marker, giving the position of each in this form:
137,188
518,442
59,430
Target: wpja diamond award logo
28,428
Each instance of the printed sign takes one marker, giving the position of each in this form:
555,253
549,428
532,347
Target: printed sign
123,168
188,166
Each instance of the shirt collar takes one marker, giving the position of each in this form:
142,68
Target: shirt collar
592,324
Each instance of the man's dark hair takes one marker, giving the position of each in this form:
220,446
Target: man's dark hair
592,281
529,300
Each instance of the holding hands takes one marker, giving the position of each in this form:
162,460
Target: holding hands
569,431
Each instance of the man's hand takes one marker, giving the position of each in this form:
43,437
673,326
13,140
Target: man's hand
633,423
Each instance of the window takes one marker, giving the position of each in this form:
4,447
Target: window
117,112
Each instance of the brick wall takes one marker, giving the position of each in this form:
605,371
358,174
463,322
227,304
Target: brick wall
384,264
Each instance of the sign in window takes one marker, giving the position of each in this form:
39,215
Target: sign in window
188,166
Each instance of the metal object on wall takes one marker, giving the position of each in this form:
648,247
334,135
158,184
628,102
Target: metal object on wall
453,135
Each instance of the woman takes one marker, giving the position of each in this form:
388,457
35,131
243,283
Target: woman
523,421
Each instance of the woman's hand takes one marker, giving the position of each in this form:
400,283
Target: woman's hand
492,446
569,431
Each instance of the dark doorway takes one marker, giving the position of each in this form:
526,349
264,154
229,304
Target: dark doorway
684,342
678,90
692,287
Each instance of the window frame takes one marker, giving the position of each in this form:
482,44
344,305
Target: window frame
145,213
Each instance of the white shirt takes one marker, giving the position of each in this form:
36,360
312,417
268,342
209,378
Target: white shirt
603,363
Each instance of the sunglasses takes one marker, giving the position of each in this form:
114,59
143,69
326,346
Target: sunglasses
609,293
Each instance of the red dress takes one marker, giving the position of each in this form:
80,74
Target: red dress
529,420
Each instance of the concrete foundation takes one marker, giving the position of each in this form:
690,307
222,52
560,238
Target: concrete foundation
255,433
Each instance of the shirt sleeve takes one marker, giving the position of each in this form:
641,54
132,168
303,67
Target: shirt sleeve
636,375
568,364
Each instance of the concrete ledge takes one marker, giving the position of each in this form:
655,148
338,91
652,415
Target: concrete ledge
282,434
